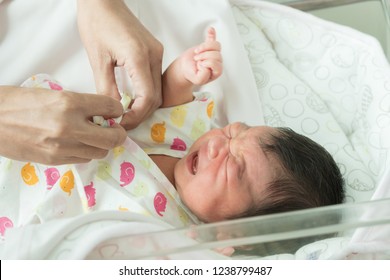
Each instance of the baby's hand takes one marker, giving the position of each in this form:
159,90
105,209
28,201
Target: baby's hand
203,63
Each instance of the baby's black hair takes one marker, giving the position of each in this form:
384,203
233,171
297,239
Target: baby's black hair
308,176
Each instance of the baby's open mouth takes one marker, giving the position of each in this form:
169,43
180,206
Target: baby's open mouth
192,162
195,164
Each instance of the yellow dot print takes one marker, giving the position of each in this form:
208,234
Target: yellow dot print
178,115
118,151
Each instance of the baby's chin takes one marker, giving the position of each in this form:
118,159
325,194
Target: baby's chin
206,218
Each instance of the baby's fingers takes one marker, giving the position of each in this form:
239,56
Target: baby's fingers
214,67
211,35
208,46
203,75
209,55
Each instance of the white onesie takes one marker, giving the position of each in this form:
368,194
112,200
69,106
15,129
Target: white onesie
171,131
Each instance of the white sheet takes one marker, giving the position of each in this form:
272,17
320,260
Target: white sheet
54,47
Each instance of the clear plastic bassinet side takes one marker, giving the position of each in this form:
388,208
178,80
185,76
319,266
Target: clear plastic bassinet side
310,5
333,232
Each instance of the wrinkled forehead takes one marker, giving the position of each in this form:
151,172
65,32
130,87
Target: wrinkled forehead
265,135
265,165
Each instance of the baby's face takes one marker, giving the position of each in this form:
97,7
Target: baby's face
225,171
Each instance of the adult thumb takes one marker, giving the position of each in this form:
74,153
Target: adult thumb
105,81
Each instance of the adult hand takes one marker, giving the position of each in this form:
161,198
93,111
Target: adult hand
55,127
113,36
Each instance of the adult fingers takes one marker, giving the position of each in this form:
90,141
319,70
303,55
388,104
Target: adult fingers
104,76
100,105
147,86
141,108
81,154
105,138
91,134
156,69
69,149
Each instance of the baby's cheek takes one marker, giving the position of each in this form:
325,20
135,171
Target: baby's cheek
178,172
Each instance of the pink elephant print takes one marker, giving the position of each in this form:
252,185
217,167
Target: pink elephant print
127,173
160,203
54,85
178,145
90,192
52,176
5,223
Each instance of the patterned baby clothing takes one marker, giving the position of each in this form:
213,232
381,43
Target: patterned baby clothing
171,131
125,180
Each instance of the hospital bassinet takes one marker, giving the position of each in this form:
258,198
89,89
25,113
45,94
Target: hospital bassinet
340,82
324,233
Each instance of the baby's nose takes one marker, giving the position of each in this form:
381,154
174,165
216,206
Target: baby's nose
217,146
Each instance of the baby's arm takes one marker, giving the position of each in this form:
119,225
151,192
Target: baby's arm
197,66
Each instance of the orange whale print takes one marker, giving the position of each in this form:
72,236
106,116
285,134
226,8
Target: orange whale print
210,109
158,132
67,182
29,175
